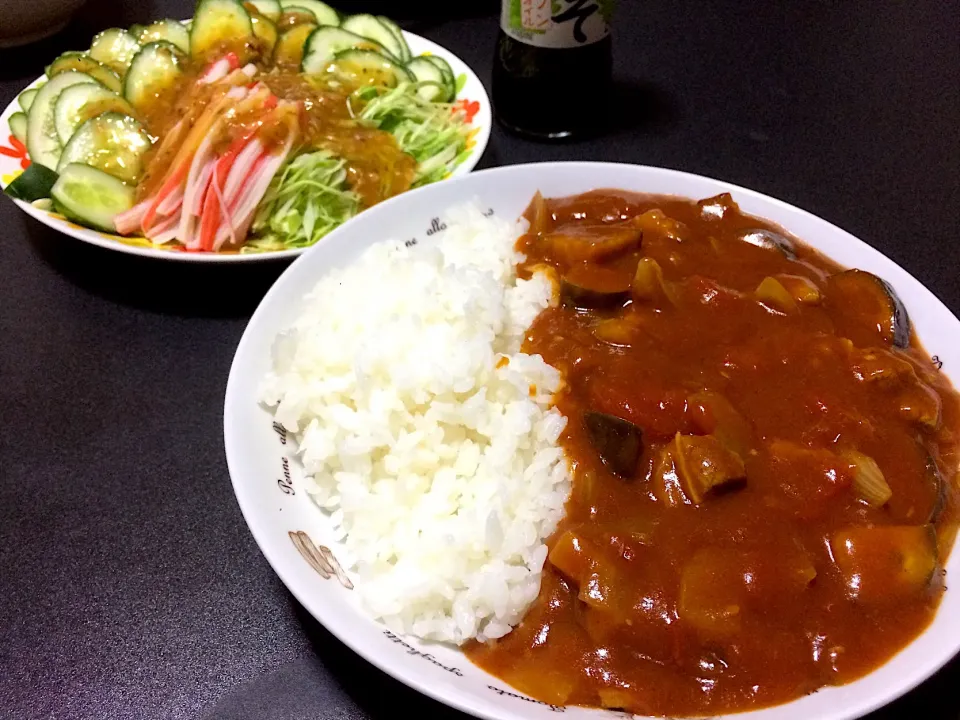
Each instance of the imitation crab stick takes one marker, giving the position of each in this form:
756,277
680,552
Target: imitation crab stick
163,232
218,69
204,123
247,175
129,221
201,169
242,167
259,183
171,203
214,206
244,200
171,185
211,216
209,197
197,190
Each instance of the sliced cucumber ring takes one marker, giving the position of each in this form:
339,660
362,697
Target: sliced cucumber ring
266,33
270,9
448,77
293,10
291,45
80,62
25,99
111,142
18,126
433,88
368,67
154,72
79,103
369,27
219,25
398,34
324,14
43,144
170,31
114,48
91,197
325,42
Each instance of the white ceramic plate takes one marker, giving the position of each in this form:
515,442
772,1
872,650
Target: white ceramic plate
267,482
13,157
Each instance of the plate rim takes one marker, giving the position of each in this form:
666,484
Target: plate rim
258,525
94,237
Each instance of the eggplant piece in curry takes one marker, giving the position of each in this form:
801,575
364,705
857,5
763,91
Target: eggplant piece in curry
763,458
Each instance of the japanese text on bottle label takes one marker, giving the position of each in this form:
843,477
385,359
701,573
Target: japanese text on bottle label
557,23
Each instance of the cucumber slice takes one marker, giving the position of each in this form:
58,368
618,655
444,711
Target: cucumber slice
42,141
368,67
326,42
369,27
270,9
91,197
448,77
111,142
294,15
290,47
170,31
299,10
433,89
154,72
79,103
32,184
18,126
80,62
26,98
266,33
114,48
398,34
324,14
219,25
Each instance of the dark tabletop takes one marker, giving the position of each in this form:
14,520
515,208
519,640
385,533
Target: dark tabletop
130,586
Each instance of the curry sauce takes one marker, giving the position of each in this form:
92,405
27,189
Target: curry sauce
763,464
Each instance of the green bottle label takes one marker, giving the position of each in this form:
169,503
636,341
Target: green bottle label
557,23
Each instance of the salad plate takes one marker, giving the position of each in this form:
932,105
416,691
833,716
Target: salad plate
414,114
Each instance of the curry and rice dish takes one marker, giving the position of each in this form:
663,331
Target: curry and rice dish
763,454
758,460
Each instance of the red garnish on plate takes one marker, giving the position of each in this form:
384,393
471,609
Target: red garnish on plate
468,107
18,151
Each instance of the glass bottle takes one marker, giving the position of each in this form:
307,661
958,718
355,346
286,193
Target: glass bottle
552,70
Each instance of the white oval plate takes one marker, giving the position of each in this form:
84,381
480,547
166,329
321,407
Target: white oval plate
470,91
266,476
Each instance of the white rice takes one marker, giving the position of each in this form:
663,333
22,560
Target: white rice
425,432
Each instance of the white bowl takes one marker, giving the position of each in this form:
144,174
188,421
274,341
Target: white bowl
470,89
266,478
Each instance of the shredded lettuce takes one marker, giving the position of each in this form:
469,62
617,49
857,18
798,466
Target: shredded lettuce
310,196
307,199
433,133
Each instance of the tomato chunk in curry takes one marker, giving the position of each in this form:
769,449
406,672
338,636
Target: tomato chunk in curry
763,464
